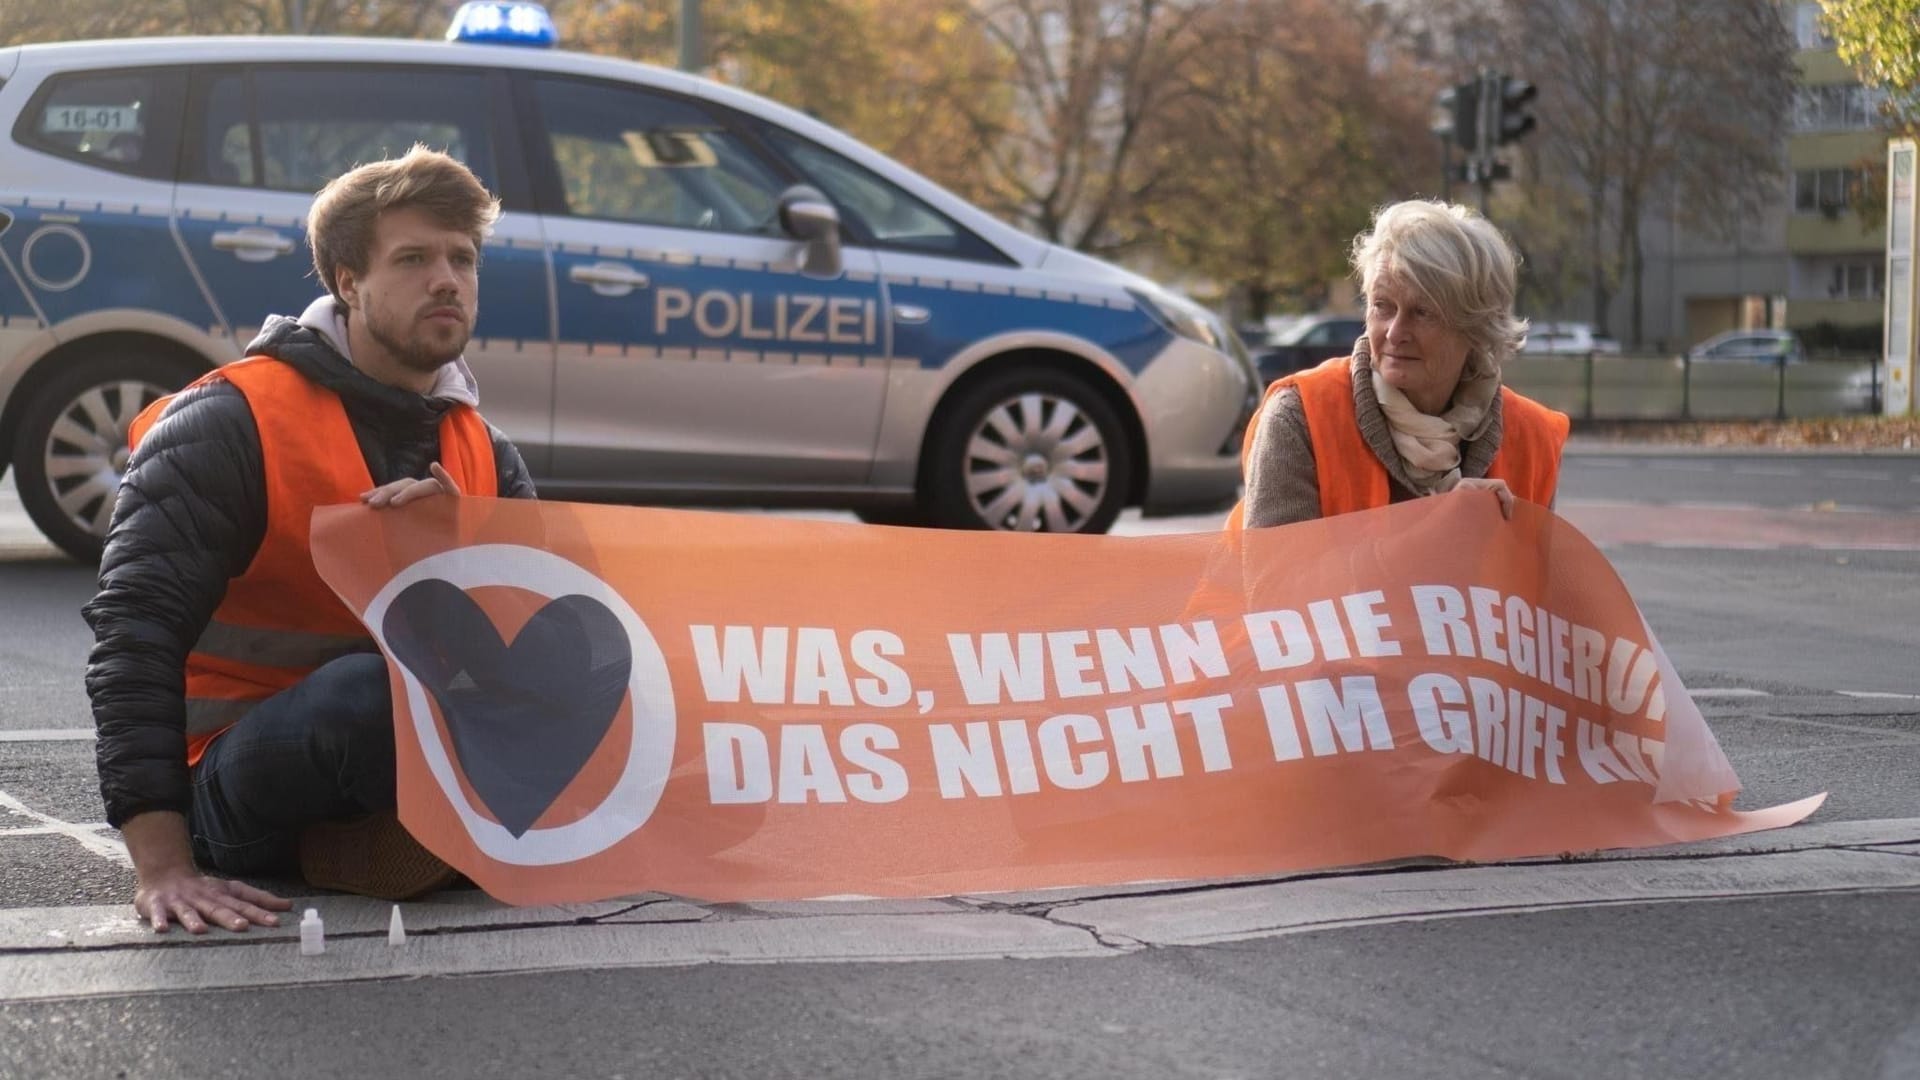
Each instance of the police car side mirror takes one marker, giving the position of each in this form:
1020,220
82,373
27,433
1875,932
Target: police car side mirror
807,216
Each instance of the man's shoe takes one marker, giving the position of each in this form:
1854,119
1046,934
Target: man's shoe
372,856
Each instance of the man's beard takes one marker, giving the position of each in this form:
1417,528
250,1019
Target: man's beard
419,354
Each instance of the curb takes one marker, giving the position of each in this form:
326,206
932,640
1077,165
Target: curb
102,951
1579,446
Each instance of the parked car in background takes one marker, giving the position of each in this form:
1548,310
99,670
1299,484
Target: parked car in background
1752,346
694,295
1569,338
1302,342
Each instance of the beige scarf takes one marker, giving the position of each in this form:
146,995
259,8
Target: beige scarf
1429,446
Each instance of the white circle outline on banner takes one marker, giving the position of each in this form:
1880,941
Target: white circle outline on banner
649,752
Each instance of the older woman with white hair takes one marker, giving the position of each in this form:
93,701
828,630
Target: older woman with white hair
1418,408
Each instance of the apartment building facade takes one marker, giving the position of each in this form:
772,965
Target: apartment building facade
1813,260
1836,237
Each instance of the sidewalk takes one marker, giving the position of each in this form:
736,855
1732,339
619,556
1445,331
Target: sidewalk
1836,435
1580,444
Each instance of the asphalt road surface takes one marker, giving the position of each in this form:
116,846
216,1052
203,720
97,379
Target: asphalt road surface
1786,588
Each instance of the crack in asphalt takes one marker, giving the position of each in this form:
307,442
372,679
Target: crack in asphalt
1877,850
1025,908
1119,943
1534,907
1052,911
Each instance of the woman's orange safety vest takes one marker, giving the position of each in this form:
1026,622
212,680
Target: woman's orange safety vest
1352,478
279,621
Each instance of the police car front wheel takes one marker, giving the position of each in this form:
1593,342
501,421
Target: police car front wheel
71,447
1028,451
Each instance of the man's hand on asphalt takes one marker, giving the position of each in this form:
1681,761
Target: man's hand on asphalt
191,898
1494,484
170,888
402,492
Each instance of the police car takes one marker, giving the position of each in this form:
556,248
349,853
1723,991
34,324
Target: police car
694,295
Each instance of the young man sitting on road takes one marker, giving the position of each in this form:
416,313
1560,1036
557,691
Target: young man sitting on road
244,718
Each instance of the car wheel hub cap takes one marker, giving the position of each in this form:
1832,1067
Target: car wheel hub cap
1036,463
86,452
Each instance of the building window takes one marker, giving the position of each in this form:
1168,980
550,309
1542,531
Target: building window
1856,280
1807,31
1837,107
1827,191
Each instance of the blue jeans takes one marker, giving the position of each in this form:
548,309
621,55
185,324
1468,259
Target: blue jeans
321,750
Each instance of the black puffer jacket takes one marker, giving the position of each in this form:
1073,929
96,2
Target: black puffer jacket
192,513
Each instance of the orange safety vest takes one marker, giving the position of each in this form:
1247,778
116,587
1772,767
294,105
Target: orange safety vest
279,621
1352,478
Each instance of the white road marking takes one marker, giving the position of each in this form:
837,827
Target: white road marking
48,735
52,830
102,846
1736,545
1706,504
1681,466
1766,470
1856,474
101,951
1728,692
1880,694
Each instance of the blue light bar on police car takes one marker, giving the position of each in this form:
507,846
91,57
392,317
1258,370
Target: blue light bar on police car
503,22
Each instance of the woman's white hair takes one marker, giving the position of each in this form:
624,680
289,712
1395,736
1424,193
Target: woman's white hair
1459,262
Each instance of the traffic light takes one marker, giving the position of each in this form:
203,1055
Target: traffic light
1471,171
1463,103
1516,116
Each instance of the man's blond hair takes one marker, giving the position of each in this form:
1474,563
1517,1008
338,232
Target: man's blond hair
340,225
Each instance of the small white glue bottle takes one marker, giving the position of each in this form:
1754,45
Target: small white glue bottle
313,936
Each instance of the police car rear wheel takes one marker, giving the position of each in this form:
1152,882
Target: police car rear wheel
71,447
1033,451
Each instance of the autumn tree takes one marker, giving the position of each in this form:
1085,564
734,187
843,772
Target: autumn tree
1084,78
23,21
1277,141
1453,39
915,79
1881,40
1650,100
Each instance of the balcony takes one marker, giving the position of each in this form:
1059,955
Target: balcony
1818,234
1806,313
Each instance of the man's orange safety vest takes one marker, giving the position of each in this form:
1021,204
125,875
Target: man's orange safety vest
279,621
1352,478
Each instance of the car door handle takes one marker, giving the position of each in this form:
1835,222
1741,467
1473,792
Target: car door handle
609,278
253,244
910,313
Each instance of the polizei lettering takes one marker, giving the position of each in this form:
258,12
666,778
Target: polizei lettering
795,317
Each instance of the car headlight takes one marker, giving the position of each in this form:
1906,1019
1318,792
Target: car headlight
1183,317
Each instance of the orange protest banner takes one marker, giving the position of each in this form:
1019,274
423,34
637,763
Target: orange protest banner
596,701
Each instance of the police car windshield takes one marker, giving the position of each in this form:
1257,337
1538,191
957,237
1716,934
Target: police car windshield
891,215
626,154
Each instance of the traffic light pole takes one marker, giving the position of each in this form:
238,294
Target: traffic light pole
1486,134
691,58
1481,116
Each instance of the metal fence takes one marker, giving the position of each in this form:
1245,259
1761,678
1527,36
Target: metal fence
1609,387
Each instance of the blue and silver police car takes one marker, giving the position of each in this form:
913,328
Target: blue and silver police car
694,295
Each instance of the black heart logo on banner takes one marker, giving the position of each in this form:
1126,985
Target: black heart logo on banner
524,718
